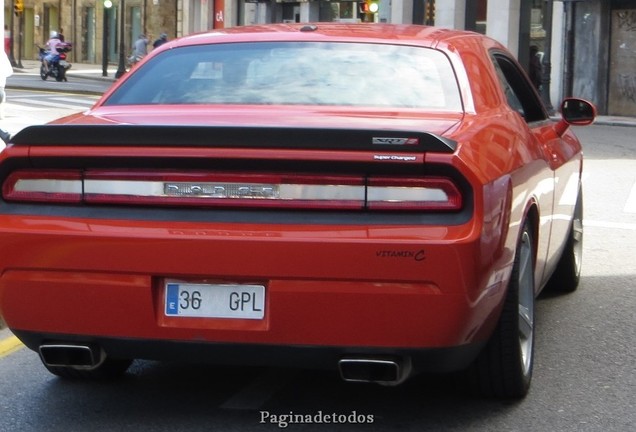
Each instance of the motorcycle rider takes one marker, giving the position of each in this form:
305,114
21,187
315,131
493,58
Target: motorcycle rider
51,45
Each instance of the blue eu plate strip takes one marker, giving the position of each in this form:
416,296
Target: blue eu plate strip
172,299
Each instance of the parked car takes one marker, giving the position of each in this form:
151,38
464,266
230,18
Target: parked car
377,199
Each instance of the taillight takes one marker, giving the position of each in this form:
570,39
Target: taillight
427,193
43,186
311,191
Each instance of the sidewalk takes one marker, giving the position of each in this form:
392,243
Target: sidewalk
94,72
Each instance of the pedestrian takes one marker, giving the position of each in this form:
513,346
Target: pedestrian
141,46
163,38
6,70
536,71
7,39
140,49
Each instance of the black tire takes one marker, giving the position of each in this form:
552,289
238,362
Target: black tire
504,367
61,74
43,74
567,275
108,369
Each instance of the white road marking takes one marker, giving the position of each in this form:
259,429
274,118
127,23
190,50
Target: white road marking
49,103
611,225
11,106
87,102
630,204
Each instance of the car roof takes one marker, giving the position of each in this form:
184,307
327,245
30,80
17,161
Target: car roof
343,32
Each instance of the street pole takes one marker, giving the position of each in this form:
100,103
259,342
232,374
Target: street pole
547,53
12,27
121,69
20,25
107,5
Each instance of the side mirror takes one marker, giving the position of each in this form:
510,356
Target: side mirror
576,112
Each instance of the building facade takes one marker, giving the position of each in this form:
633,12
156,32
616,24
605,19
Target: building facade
588,46
601,59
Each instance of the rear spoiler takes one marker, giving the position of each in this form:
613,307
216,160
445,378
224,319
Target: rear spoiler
235,137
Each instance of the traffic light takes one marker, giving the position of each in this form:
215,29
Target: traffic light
369,6
18,7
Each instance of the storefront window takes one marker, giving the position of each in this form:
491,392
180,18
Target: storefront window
336,11
537,30
88,35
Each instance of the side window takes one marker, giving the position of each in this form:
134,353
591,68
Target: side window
518,89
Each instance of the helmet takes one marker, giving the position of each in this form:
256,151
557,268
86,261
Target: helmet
163,36
53,34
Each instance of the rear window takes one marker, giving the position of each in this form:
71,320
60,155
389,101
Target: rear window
295,73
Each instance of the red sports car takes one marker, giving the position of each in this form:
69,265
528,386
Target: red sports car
377,199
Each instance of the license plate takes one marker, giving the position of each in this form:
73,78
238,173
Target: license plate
215,300
63,63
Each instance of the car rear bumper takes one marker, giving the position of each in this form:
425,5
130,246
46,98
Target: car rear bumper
297,312
382,288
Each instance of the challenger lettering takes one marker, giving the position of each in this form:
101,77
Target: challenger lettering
220,190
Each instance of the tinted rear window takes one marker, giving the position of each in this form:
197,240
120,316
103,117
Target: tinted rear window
295,73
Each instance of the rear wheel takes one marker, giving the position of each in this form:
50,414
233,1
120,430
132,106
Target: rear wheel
567,275
504,368
61,74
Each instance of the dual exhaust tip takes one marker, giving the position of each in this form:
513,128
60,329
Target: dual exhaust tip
86,357
384,371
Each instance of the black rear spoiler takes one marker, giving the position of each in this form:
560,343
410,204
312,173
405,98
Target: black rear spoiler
237,137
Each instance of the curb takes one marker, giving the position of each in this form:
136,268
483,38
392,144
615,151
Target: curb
611,122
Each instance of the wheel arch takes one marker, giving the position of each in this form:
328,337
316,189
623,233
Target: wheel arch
532,216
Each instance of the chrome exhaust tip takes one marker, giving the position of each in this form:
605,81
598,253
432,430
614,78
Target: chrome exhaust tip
68,355
375,370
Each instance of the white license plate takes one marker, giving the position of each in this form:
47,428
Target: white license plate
215,300
63,63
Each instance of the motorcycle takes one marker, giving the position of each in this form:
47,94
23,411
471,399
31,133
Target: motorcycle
58,67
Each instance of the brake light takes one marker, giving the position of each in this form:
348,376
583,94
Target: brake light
201,189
